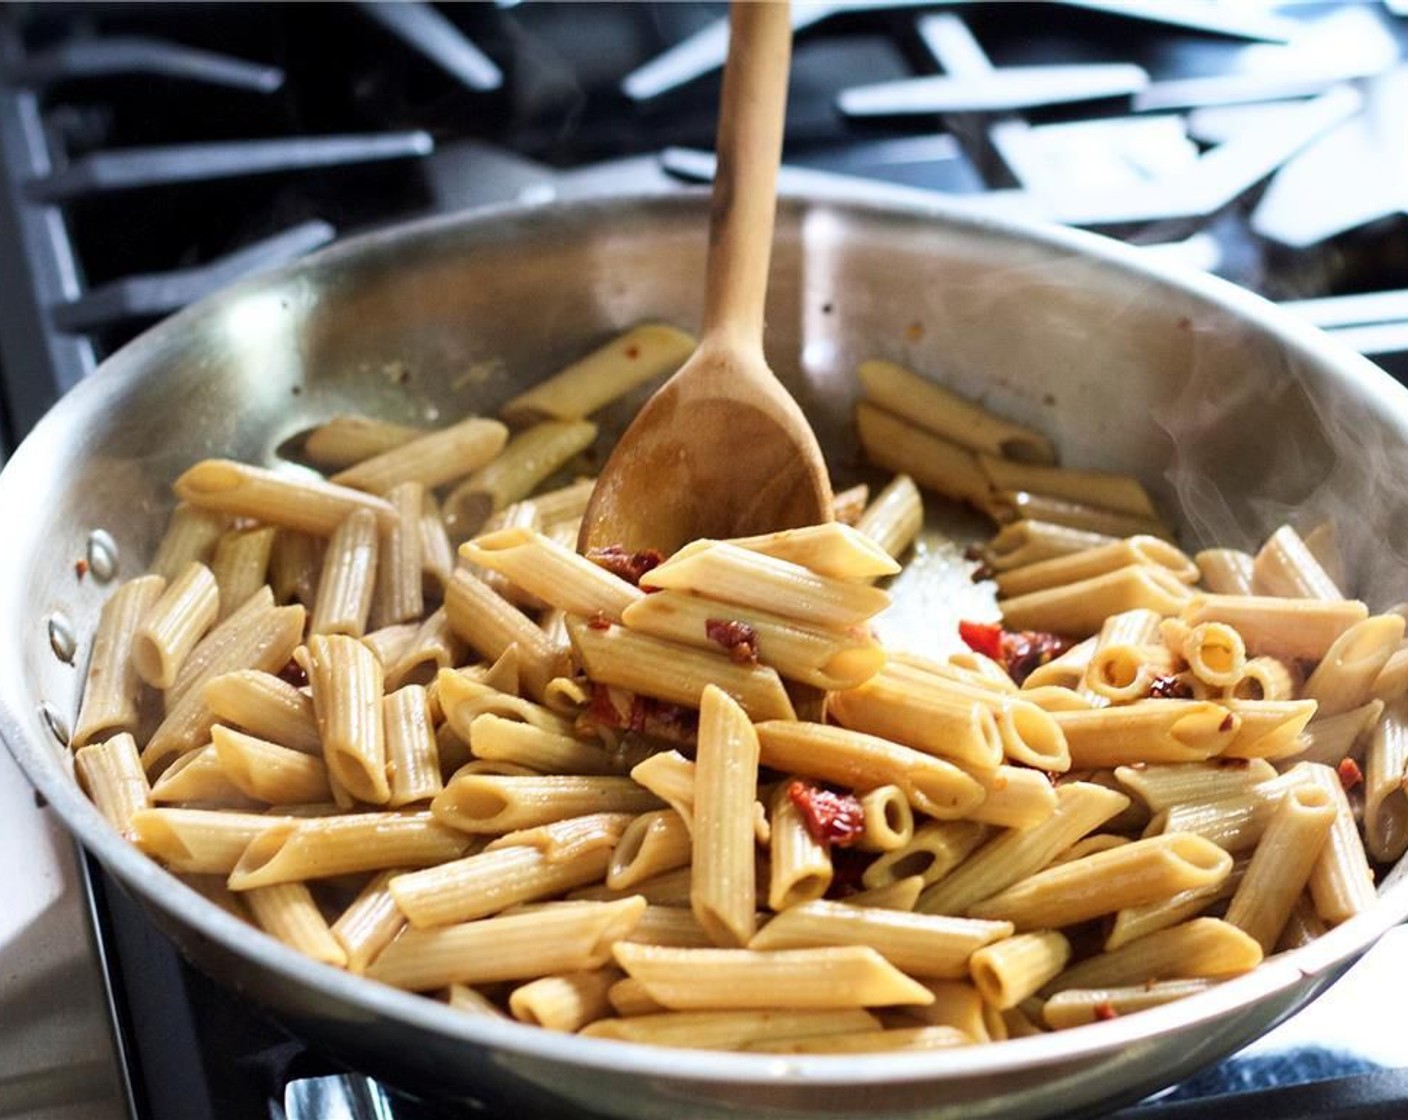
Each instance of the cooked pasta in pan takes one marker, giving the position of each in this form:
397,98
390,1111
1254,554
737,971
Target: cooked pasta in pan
693,800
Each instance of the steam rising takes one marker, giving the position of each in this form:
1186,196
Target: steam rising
1257,444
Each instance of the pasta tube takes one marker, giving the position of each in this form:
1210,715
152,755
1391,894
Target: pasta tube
309,505
724,570
723,979
925,945
678,674
346,681
1285,566
829,659
517,947
1281,864
1098,561
113,686
1130,875
722,889
432,459
865,762
641,354
170,629
947,414
894,519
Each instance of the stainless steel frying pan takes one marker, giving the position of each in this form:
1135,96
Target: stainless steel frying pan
1236,416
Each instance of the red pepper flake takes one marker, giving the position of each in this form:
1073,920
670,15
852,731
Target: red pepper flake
740,639
1350,774
1105,1011
80,568
831,818
633,352
982,637
1170,687
1020,652
1229,721
598,621
630,566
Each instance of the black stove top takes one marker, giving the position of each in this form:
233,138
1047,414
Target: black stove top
150,154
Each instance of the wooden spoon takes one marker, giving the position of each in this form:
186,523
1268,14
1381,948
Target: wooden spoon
722,450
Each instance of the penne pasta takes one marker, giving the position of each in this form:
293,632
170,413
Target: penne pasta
1020,543
369,924
641,354
1148,731
799,865
722,885
431,459
1285,566
346,681
922,945
111,774
1281,864
724,979
725,570
268,772
945,413
1087,563
344,440
1205,948
934,463
1345,677
1129,875
485,804
1285,628
828,659
399,593
319,847
530,457
678,674
866,762
189,539
412,758
894,519
241,565
348,579
1015,968
289,502
1080,608
1015,853
186,609
554,574
266,706
1117,492
113,685
517,947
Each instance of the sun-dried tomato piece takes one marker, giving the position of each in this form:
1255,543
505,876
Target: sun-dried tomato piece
621,710
630,566
1105,1011
1170,687
1350,774
831,818
740,639
1020,652
293,673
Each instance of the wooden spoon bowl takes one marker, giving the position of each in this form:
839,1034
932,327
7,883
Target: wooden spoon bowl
722,450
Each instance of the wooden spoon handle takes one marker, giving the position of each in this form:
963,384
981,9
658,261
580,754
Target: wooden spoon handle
749,145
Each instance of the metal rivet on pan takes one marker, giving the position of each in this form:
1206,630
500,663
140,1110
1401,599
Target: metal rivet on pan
62,640
57,727
102,555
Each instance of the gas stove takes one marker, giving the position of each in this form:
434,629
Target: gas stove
151,154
